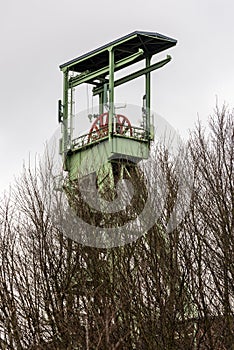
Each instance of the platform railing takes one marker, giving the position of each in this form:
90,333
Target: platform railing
134,132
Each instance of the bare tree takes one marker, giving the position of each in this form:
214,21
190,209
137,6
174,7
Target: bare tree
170,289
210,230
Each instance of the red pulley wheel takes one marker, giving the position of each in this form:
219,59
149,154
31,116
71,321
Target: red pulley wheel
99,127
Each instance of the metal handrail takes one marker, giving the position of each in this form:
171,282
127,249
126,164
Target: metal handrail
136,133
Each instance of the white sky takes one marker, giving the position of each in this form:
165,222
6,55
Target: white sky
36,36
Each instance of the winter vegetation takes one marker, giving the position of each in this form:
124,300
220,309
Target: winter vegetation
169,289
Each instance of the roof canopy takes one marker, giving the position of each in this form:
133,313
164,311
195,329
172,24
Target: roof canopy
150,43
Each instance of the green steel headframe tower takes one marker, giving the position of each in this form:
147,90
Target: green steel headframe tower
113,133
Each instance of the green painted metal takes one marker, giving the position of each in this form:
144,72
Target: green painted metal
98,68
89,77
111,91
147,94
97,90
86,160
65,118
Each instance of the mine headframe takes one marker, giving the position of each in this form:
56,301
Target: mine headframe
111,131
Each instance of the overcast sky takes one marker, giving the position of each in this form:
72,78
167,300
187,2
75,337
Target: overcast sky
37,36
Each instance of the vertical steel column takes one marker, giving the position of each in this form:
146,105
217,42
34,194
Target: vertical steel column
65,116
147,93
71,116
111,90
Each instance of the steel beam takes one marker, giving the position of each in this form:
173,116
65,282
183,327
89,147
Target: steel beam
147,93
85,78
111,90
97,90
65,117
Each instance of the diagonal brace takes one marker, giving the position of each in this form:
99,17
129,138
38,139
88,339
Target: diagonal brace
99,89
